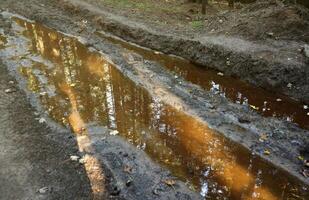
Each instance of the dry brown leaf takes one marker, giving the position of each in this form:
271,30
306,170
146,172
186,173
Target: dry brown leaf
170,182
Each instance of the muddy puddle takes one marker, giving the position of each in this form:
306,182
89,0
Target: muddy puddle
78,86
264,102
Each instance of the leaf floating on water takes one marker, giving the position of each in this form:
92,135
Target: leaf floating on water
170,182
114,132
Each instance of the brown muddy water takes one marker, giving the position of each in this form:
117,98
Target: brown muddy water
78,86
267,103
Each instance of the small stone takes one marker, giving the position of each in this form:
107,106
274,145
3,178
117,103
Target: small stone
220,21
305,107
11,82
220,74
279,100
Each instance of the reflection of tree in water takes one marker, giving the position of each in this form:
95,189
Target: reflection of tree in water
106,97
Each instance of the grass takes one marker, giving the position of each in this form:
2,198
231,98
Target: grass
197,24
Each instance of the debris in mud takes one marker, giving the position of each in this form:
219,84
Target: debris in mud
170,182
289,85
266,152
129,182
306,50
43,190
42,120
82,160
9,91
305,173
128,169
74,158
263,137
114,132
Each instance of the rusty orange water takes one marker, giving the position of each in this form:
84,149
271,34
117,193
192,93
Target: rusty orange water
265,102
78,87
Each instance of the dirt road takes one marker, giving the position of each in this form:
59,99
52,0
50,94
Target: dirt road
135,130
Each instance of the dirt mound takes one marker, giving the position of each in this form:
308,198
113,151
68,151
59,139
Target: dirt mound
264,19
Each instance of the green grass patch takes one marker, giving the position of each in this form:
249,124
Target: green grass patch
197,24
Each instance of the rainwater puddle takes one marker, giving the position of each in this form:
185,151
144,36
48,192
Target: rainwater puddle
77,86
264,102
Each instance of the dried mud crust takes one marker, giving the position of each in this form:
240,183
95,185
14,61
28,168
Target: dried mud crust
215,110
259,55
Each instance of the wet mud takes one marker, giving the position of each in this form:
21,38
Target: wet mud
262,101
271,66
79,87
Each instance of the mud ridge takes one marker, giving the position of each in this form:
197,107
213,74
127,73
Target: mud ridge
270,66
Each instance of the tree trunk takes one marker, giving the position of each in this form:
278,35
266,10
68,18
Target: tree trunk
204,3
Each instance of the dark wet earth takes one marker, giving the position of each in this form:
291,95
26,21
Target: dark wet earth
78,86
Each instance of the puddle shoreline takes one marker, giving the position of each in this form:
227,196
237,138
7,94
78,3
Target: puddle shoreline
85,64
265,103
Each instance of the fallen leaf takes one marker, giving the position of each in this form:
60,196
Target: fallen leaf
170,182
128,169
266,152
300,158
263,137
254,107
